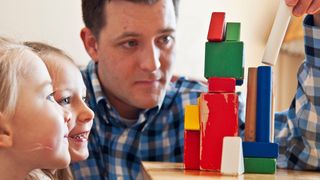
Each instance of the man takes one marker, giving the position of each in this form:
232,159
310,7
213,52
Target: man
139,114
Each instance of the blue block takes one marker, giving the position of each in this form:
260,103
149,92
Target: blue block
260,149
264,100
239,82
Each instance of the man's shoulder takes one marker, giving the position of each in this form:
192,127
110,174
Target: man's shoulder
185,85
184,91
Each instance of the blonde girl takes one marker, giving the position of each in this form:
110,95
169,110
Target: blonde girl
70,93
33,127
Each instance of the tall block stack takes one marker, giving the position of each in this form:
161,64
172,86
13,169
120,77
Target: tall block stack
259,151
218,108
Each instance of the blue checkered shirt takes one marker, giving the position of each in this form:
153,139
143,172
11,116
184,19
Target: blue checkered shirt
116,151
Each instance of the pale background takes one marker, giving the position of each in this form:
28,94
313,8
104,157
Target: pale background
59,22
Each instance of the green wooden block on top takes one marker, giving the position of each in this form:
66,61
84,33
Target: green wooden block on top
224,59
233,31
260,165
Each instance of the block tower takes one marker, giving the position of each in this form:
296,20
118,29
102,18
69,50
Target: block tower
216,115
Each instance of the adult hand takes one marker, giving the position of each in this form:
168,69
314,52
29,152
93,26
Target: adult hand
301,7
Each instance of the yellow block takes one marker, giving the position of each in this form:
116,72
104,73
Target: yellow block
191,117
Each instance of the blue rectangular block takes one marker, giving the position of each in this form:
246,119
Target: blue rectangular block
260,149
264,100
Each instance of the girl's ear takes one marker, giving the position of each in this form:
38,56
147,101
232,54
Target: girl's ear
5,132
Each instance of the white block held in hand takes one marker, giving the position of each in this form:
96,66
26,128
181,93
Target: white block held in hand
232,156
276,36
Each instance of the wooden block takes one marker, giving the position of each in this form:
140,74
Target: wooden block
191,149
260,149
224,59
250,127
219,118
232,156
191,117
272,118
233,31
239,82
217,84
216,27
264,94
260,165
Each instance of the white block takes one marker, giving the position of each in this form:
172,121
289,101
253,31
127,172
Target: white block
277,34
232,156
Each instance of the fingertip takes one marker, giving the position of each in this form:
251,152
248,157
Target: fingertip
313,10
291,3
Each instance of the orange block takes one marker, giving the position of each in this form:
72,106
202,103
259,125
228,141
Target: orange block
250,128
191,117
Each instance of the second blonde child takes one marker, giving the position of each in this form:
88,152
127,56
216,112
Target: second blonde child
70,93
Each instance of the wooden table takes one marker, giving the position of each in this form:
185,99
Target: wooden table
175,171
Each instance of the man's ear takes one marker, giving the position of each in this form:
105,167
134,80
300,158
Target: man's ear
5,132
90,43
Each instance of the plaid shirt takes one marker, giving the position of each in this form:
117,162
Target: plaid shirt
116,151
298,130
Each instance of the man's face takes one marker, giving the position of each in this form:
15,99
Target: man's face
135,51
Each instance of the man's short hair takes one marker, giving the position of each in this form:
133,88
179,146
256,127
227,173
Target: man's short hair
94,17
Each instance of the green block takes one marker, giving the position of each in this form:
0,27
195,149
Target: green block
224,59
260,165
233,31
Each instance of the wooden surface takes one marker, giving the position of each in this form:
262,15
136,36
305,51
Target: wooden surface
175,171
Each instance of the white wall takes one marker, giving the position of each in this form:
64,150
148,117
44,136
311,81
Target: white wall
256,17
59,22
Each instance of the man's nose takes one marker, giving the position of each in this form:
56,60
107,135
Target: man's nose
151,58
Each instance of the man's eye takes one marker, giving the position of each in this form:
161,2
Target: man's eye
166,40
64,101
130,44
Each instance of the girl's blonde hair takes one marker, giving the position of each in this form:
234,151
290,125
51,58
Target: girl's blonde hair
45,50
12,69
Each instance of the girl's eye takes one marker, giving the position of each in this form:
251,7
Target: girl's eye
64,101
50,97
84,99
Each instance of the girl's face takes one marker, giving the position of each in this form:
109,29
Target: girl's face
70,93
39,124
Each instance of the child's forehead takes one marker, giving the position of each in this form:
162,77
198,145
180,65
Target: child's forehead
34,68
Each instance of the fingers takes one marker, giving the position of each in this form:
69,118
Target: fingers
291,3
302,7
314,7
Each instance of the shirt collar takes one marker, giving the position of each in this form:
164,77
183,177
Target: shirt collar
100,95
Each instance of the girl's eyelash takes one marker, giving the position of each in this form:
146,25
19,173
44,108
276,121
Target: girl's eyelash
50,97
64,100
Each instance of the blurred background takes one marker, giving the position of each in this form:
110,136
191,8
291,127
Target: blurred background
59,22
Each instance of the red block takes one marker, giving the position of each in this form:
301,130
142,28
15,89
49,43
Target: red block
191,149
217,84
216,28
219,118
